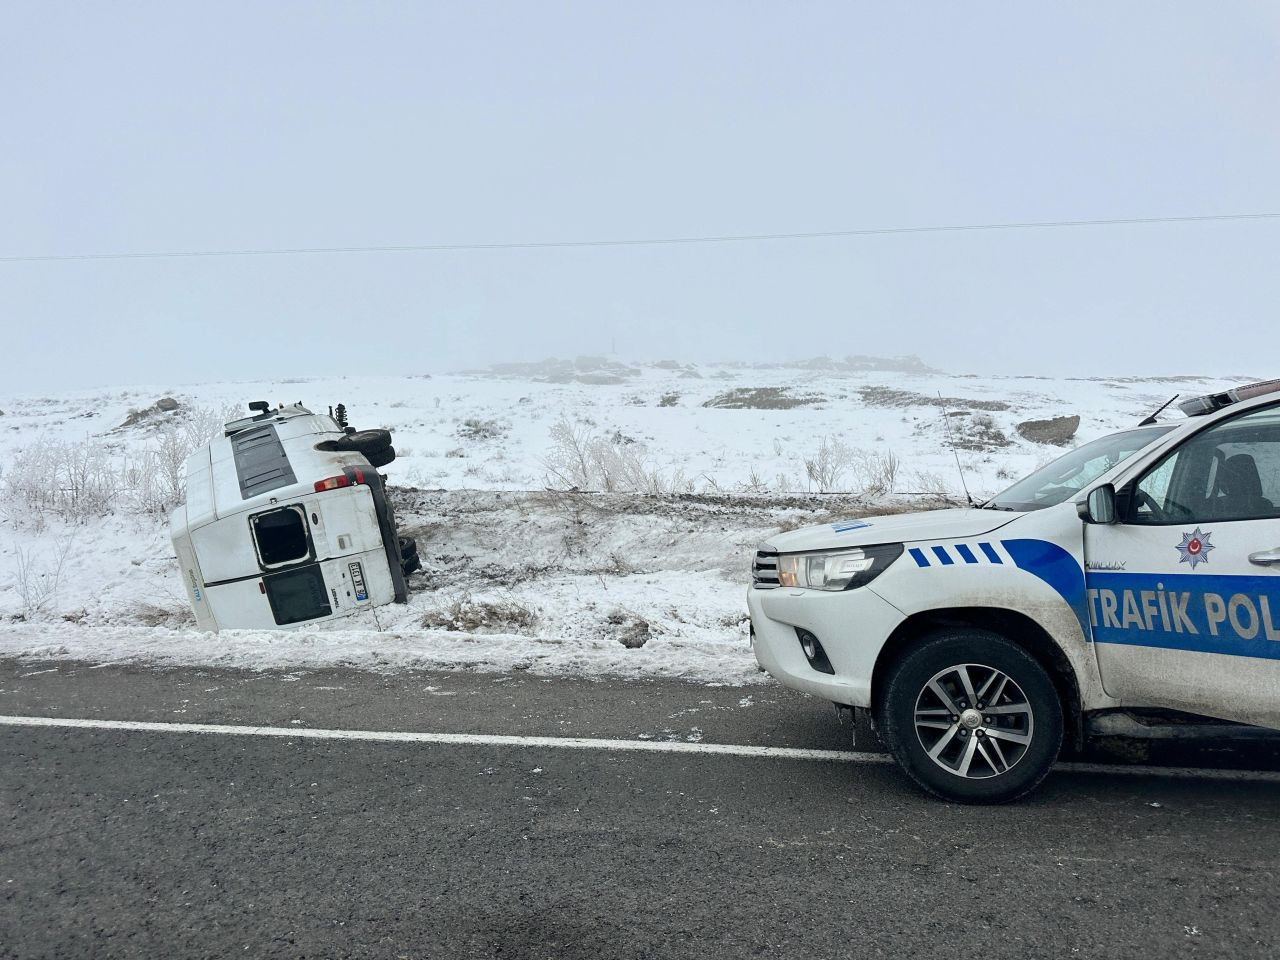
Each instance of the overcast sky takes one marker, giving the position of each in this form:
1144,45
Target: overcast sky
181,127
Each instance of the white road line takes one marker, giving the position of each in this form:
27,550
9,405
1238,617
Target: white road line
589,743
456,739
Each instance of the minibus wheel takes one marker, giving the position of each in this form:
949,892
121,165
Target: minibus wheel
365,441
409,561
380,458
972,716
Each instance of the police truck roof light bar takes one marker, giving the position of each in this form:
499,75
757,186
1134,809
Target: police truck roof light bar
1199,406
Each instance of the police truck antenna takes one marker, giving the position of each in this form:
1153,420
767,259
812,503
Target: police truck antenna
946,422
1152,419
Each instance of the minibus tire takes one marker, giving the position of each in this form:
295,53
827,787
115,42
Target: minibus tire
380,458
409,561
932,660
365,441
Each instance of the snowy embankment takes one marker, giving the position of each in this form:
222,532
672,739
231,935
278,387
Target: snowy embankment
518,576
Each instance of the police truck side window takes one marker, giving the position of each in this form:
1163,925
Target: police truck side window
1229,472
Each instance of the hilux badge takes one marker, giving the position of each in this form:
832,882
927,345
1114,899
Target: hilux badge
1195,547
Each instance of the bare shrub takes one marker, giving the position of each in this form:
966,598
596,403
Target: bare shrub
202,424
76,481
786,483
38,581
669,400
155,478
570,460
929,484
877,473
754,484
582,460
71,481
828,464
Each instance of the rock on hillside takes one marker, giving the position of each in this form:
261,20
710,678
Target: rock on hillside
1057,430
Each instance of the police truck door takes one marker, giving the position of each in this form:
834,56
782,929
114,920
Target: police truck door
1184,591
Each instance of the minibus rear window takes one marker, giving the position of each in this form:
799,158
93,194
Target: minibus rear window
298,595
281,536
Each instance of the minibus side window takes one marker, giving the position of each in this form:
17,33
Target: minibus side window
281,537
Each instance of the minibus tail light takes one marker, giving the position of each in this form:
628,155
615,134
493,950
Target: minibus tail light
350,477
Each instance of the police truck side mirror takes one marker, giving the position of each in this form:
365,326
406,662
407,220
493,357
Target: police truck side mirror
1100,505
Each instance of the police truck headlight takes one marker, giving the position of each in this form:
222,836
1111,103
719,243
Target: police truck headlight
837,569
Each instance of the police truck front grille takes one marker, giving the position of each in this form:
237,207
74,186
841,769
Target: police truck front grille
764,571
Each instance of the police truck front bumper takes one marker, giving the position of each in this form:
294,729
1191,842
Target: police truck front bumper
850,628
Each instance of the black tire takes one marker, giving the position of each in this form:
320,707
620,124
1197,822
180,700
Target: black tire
1027,706
364,441
409,560
380,458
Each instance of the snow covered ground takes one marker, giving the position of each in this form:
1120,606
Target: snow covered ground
520,574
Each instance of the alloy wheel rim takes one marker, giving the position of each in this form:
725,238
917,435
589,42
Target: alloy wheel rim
974,721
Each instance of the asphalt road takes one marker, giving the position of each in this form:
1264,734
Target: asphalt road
127,843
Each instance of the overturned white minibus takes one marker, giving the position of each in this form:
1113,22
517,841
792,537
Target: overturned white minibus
287,523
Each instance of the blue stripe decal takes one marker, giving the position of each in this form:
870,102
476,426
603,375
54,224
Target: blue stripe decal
920,559
1056,567
965,553
990,551
943,556
1238,616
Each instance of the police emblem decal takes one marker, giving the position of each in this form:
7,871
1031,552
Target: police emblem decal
1195,547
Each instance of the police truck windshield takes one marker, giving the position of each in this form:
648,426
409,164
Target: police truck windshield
1069,474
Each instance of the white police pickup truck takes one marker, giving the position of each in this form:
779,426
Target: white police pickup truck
1136,576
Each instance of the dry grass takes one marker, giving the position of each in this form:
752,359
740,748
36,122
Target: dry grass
153,615
761,398
891,397
474,428
469,615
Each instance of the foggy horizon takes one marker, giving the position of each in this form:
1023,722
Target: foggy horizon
170,130
1241,375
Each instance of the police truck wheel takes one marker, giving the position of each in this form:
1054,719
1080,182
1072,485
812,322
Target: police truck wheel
972,717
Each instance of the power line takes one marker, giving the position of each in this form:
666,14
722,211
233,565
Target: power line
642,242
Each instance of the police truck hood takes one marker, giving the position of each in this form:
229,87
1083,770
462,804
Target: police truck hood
896,528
